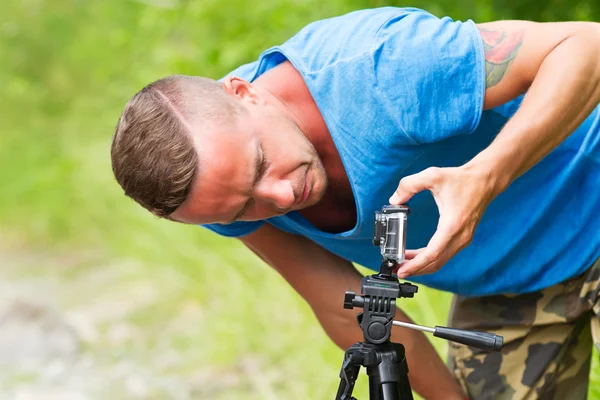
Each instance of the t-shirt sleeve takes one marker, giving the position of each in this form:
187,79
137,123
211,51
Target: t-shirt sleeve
236,229
430,73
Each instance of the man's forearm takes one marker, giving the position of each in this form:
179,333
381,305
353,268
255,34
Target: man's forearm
564,92
424,363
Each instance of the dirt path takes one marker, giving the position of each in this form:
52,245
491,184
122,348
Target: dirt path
75,329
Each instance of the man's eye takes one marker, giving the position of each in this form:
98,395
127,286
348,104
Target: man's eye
249,204
264,165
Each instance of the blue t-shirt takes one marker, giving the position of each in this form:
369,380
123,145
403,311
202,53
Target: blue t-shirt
402,90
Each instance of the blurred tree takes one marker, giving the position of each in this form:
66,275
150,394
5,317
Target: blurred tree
544,11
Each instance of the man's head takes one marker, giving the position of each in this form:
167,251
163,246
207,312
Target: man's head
198,151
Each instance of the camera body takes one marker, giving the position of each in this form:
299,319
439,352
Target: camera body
390,232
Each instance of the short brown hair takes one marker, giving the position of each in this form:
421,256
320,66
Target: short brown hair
153,154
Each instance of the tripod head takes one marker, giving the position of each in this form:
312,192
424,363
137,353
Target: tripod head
380,291
379,302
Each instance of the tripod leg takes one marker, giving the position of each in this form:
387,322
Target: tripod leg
403,388
382,391
403,383
348,375
388,379
374,387
390,391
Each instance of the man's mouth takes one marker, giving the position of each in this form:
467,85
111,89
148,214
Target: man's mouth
305,192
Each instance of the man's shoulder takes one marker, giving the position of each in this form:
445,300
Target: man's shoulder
348,35
368,16
327,42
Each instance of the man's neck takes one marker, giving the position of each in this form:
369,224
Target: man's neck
285,84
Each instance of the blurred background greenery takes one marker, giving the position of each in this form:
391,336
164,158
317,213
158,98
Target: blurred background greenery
138,307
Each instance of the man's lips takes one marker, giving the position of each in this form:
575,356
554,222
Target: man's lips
305,192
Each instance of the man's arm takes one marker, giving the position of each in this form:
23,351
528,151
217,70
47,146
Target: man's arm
321,278
558,64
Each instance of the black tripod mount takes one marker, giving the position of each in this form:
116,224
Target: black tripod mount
384,360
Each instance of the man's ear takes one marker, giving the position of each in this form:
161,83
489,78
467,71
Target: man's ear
238,87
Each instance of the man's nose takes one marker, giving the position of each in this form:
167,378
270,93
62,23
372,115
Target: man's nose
279,193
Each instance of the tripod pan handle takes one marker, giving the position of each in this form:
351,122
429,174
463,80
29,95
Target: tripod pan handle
481,340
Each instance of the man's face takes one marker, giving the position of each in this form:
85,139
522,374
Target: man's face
257,167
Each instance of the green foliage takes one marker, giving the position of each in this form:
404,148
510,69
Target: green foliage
69,66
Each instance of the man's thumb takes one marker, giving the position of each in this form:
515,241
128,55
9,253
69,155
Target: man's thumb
408,186
412,184
401,195
395,199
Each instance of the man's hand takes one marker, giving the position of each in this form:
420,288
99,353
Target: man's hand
462,194
559,67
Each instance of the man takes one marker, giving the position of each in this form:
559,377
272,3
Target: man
293,154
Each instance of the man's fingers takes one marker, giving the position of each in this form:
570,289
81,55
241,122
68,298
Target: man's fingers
428,262
413,184
414,266
429,259
410,254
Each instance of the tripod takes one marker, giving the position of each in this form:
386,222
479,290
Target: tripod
384,360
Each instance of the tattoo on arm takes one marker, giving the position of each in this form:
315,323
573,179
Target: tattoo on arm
501,48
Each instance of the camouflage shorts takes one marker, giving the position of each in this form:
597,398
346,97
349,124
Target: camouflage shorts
548,338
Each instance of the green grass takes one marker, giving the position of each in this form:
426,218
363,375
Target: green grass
67,69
